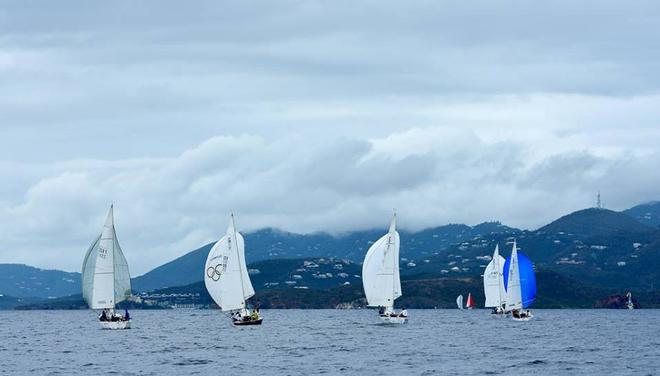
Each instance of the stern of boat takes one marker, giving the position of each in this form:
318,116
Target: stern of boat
248,322
393,319
115,325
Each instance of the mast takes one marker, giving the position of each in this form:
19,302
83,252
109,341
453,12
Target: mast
499,274
390,243
514,292
238,256
112,227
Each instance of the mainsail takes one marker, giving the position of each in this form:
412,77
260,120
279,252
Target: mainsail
519,281
106,280
380,270
629,303
225,272
459,301
494,281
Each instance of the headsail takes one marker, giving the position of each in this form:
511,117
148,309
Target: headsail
494,281
380,270
519,281
225,273
459,301
106,280
470,301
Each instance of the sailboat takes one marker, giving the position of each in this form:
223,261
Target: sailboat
494,283
520,285
459,301
380,276
227,279
105,277
470,302
629,303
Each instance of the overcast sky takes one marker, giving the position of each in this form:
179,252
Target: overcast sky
316,116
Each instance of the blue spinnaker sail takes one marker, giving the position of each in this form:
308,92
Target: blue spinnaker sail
527,278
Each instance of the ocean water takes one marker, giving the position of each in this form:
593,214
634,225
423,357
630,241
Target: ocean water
306,342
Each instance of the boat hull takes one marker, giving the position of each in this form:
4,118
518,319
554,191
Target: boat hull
115,325
523,318
246,323
393,319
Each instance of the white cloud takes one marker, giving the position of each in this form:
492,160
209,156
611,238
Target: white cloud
315,116
431,175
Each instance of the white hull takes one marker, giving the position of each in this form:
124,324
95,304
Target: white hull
115,324
394,319
523,318
526,318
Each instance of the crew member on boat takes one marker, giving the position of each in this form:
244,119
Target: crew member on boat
519,314
498,310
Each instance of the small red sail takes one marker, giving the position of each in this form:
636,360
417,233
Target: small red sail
470,301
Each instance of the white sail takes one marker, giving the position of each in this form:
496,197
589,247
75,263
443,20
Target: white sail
248,290
225,273
380,270
513,291
630,303
459,301
106,280
494,281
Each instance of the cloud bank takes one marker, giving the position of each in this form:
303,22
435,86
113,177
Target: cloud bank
315,116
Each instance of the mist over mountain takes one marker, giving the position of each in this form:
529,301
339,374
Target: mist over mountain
274,244
601,249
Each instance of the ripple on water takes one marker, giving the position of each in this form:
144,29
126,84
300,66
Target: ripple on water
192,362
351,342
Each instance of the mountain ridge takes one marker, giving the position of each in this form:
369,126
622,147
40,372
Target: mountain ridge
597,246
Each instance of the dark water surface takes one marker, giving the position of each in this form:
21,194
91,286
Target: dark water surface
295,342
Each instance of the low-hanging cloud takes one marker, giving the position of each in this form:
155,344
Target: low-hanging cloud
315,116
167,206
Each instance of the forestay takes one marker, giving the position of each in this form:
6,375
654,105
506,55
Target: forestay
494,281
106,280
225,272
380,270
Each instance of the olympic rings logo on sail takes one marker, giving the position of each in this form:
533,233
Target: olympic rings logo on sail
215,272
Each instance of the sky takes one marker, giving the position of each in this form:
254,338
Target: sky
315,116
